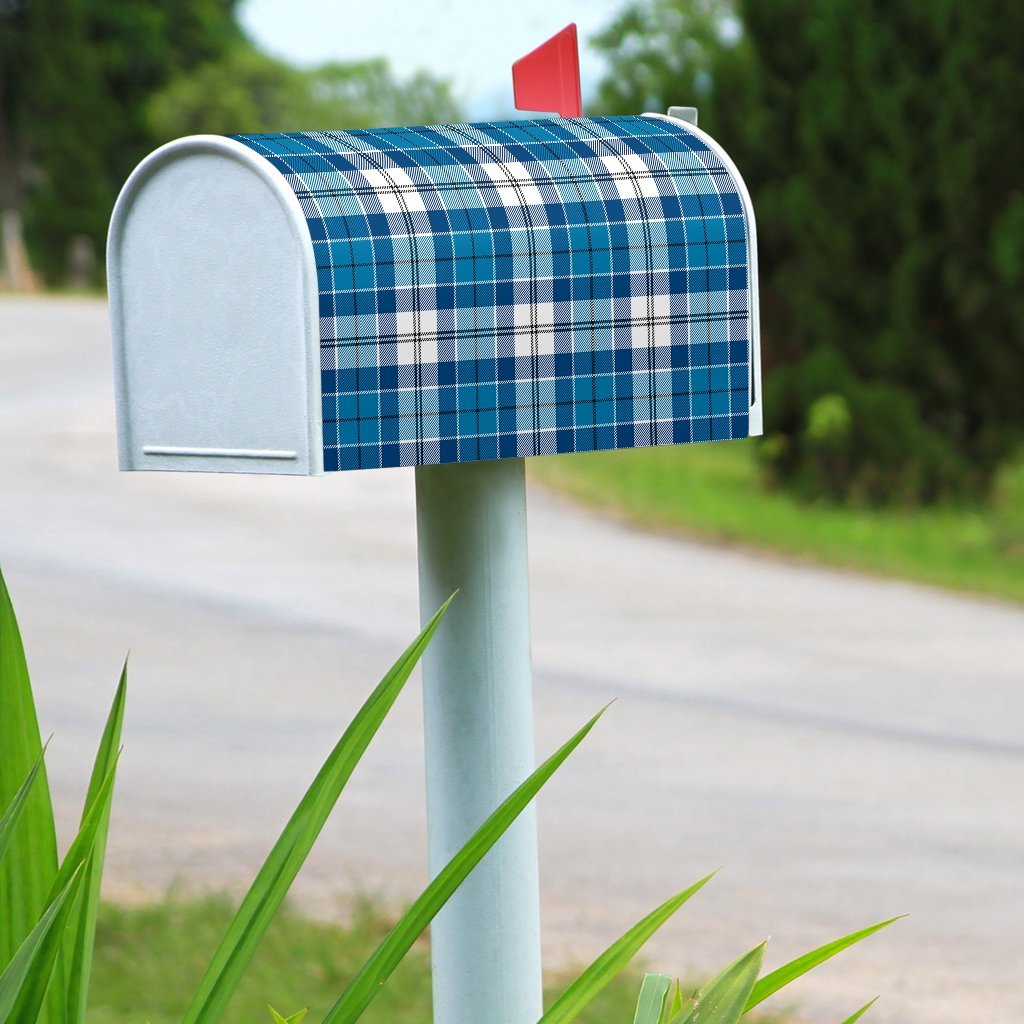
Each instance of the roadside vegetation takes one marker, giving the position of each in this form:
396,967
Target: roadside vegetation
890,229
51,942
890,224
715,492
150,958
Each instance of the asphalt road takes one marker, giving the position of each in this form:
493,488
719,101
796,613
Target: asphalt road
846,748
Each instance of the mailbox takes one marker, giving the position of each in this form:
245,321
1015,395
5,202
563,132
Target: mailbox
314,301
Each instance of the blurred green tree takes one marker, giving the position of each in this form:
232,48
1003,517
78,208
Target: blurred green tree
249,91
75,79
88,87
880,145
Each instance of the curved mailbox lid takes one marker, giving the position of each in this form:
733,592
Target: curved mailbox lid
526,288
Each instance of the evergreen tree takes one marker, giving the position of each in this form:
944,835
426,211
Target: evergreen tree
880,143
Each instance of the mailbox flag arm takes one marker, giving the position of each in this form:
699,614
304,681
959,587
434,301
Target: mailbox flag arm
548,78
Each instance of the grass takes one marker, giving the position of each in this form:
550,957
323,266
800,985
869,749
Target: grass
149,958
713,491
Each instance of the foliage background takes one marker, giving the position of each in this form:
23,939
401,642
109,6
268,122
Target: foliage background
878,140
874,138
89,87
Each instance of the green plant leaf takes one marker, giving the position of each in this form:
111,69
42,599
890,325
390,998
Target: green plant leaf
782,976
30,866
853,1018
17,805
372,975
82,930
675,1006
24,982
723,1000
73,866
84,843
569,1004
282,864
651,1003
295,1018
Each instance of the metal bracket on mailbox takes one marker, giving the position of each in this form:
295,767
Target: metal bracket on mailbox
688,114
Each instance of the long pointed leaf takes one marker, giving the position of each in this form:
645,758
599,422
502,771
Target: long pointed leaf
282,864
572,1001
295,1018
82,931
853,1018
651,1003
28,870
84,843
30,968
13,813
73,866
779,978
372,975
723,1000
675,1006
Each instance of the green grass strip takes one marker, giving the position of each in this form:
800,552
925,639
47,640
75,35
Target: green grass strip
714,491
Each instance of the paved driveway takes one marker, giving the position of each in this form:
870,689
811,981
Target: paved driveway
846,748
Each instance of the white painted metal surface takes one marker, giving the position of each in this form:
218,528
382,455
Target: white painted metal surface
214,299
478,721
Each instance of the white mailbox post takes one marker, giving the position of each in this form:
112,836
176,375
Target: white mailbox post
454,298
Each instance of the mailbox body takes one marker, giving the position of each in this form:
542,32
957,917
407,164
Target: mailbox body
304,302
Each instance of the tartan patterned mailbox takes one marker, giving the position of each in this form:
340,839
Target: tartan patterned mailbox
430,296
303,302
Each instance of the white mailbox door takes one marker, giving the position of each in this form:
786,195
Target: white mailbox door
216,335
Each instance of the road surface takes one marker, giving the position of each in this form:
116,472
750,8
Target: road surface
846,748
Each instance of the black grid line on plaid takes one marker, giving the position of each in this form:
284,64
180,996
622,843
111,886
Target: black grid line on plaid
523,288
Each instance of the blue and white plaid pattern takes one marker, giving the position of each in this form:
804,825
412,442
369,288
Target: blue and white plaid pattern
522,288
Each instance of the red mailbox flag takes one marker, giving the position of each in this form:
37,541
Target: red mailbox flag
548,78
